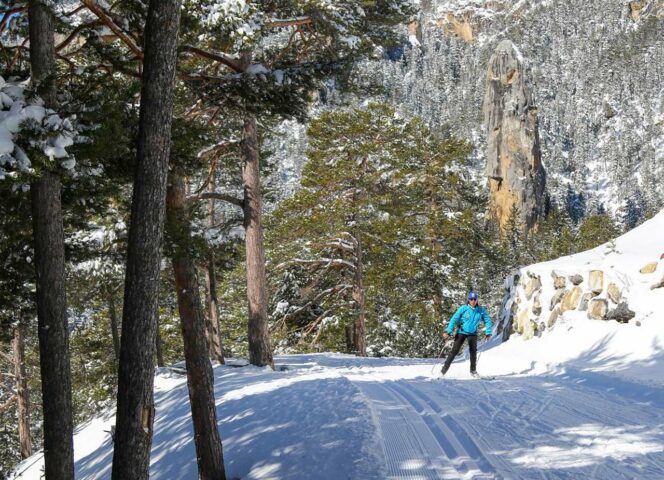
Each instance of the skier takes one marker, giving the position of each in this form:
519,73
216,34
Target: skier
468,316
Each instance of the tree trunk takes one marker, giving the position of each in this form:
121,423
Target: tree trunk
22,393
157,344
199,370
112,313
135,406
358,296
50,268
213,329
260,351
53,328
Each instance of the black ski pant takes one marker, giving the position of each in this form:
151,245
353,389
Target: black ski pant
458,343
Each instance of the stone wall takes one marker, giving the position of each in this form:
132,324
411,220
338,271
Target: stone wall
535,299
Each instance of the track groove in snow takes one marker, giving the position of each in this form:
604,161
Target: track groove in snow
548,427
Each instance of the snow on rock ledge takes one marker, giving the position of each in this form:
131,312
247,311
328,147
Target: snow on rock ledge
608,283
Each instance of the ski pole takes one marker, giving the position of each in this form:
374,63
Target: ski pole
439,355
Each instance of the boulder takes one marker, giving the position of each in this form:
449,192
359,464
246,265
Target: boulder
558,280
570,300
658,285
537,306
583,304
649,267
553,318
530,328
613,292
557,297
621,313
521,322
534,284
576,279
597,309
596,281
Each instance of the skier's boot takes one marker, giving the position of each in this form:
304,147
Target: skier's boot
474,374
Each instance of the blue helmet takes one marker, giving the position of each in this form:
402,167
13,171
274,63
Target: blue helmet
472,295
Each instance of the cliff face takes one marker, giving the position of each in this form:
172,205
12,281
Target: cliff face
595,72
513,163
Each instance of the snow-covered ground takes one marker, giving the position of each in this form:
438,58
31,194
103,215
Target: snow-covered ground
340,417
584,400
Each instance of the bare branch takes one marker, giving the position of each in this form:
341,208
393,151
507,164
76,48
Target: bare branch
289,22
330,291
327,262
108,21
5,406
76,32
216,196
233,63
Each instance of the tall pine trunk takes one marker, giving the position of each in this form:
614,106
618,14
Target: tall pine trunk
135,406
50,268
157,344
22,393
112,313
358,297
199,370
215,341
260,351
213,329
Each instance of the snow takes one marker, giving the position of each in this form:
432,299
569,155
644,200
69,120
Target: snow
632,350
584,400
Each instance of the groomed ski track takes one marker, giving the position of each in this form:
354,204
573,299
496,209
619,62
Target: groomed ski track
561,427
339,417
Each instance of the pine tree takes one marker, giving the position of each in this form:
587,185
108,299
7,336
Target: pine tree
135,410
385,197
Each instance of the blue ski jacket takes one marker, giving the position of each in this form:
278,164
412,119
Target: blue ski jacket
469,318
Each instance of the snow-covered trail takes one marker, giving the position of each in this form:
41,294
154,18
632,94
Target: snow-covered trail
339,417
515,427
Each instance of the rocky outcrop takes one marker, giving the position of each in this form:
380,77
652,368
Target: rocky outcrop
596,281
597,309
576,279
522,311
583,304
514,167
533,285
613,292
570,300
558,280
621,313
660,284
649,267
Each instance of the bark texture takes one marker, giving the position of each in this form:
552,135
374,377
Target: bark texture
199,369
22,393
135,406
112,313
260,350
215,341
52,327
50,269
